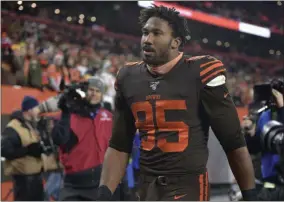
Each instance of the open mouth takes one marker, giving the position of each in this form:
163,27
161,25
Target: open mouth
148,51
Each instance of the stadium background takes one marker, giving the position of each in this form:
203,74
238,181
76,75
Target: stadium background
101,36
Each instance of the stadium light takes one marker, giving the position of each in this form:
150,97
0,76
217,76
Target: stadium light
69,18
81,16
116,7
145,4
227,44
93,19
205,40
212,19
271,52
219,43
279,3
21,8
81,21
33,5
19,2
278,52
57,11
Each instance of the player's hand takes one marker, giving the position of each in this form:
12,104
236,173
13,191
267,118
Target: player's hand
103,193
278,97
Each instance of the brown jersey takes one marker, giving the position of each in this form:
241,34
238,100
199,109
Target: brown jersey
173,113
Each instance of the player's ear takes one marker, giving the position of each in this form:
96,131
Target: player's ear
176,42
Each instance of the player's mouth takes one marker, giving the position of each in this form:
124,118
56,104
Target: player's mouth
148,51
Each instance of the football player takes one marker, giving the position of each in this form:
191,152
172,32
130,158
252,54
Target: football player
173,99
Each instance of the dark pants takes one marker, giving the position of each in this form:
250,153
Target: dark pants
83,185
275,194
182,188
28,187
84,194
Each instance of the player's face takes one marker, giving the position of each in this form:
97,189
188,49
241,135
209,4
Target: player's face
94,95
156,41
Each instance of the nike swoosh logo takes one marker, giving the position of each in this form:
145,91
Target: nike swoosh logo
178,197
225,95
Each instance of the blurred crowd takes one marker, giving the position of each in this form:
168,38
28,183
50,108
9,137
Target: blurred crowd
244,12
41,55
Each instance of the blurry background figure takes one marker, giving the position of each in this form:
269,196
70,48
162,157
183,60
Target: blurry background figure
108,77
82,134
54,179
20,145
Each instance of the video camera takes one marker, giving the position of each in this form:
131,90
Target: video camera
46,140
73,96
263,93
272,140
263,99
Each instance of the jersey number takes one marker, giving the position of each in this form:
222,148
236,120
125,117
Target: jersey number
161,125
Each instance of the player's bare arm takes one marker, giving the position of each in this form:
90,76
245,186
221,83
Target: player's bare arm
113,168
226,126
116,157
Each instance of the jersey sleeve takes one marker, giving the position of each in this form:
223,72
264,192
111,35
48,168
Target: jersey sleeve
123,122
211,70
223,117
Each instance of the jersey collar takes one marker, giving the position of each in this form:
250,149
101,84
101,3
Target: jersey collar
165,68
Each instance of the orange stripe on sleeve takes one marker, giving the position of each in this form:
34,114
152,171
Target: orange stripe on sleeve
201,187
206,187
208,63
208,69
213,74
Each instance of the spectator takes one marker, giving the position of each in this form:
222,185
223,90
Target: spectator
20,145
83,139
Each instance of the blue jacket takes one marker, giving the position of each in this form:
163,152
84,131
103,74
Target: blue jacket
133,162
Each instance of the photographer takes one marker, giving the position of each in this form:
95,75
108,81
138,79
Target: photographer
266,162
275,112
24,154
253,125
82,133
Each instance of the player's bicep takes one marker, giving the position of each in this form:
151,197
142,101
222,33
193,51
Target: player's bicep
223,117
123,126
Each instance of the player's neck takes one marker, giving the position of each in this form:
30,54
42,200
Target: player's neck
165,68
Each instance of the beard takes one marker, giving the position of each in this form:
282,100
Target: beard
154,59
157,58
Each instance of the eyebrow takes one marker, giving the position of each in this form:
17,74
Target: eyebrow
152,30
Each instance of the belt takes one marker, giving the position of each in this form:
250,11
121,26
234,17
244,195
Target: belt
165,180
27,178
86,178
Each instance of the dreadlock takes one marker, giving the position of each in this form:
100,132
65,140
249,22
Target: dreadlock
177,23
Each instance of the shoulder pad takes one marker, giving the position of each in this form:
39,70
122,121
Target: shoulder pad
209,69
195,58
